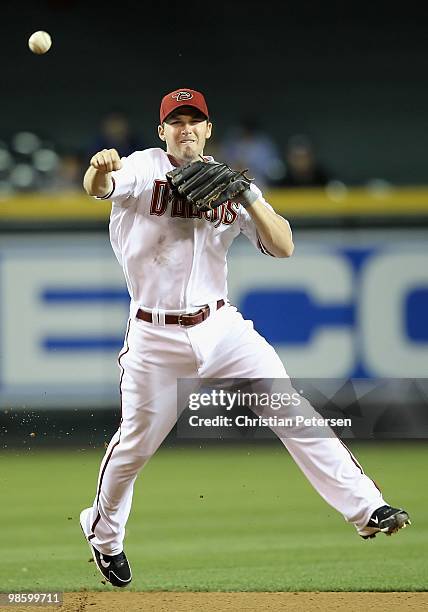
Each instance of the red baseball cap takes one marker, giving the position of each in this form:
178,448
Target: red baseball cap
182,97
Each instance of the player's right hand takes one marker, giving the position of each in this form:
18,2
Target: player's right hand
106,161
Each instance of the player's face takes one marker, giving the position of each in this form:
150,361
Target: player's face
185,132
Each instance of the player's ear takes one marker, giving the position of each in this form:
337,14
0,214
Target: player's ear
209,129
161,132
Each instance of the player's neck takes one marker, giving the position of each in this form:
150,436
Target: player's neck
176,161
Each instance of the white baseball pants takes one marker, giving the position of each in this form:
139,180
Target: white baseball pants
223,346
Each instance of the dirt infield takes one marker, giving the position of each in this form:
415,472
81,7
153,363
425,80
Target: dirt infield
233,602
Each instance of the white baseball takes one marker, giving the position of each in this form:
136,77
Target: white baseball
40,42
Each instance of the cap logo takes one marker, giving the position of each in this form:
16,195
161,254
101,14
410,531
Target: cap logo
182,95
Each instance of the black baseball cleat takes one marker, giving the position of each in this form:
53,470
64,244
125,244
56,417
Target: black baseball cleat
386,520
114,568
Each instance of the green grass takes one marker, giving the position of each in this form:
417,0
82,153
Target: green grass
215,518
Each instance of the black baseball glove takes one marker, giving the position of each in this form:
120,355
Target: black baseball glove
210,184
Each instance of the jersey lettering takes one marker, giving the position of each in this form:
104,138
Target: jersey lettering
212,215
159,201
193,212
230,212
178,206
225,214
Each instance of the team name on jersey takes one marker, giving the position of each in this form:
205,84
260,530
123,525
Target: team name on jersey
164,200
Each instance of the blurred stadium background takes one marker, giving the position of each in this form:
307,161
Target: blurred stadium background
353,300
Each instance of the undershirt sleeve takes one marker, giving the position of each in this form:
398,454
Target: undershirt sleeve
129,181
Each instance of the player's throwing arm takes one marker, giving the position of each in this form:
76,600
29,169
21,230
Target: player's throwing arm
98,180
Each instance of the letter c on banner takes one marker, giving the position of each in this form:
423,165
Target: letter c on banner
387,348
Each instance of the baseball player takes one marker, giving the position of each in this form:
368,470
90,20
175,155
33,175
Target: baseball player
175,212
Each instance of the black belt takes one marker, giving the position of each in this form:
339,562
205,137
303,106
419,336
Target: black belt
185,320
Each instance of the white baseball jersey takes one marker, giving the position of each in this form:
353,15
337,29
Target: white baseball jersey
173,256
